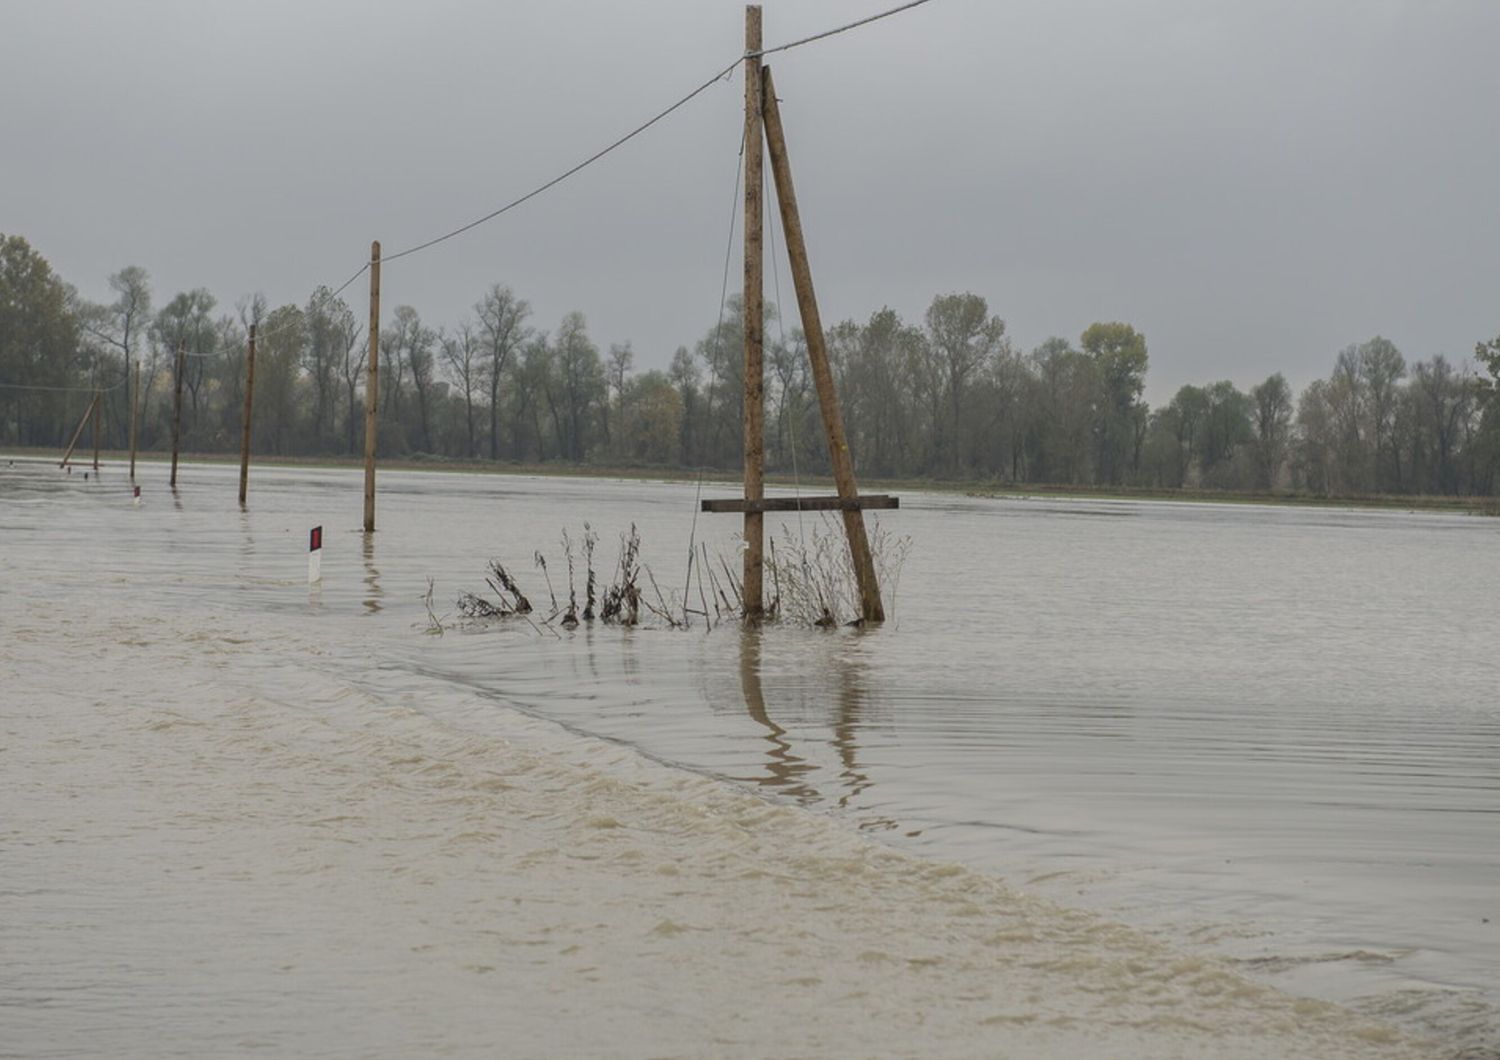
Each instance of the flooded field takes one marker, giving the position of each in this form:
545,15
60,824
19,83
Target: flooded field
1266,738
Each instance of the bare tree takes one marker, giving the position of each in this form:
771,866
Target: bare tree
119,324
502,327
462,355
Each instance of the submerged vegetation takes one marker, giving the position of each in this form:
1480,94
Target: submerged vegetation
809,578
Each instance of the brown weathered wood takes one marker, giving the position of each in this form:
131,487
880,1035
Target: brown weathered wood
245,425
177,410
803,504
135,417
812,326
79,432
372,388
754,321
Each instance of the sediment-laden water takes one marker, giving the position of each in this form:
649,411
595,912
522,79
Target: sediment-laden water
1266,738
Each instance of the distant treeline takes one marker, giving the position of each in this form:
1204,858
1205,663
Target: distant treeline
948,397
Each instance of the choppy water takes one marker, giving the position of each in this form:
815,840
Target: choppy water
1263,733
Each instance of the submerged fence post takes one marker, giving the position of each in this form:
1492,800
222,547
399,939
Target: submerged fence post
817,352
754,321
245,428
372,387
177,410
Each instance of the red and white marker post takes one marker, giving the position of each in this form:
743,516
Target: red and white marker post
315,556
137,496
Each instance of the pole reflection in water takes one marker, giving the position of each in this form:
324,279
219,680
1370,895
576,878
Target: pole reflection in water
851,700
373,592
784,770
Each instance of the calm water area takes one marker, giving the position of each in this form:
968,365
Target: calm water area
1269,734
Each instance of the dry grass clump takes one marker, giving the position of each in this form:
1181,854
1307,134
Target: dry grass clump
810,580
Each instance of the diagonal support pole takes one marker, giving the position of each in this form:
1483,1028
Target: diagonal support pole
871,606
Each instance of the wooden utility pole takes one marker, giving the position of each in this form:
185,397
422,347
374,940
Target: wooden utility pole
245,426
95,432
812,327
177,411
372,387
88,412
753,316
134,394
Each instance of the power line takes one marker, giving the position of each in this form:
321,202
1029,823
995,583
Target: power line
596,156
63,389
632,134
835,32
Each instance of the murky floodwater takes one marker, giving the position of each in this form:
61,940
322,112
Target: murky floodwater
1267,734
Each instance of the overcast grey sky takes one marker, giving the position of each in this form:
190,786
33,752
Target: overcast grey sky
1252,183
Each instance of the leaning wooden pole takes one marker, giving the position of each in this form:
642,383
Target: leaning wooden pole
135,416
177,410
754,322
372,388
88,412
817,351
245,423
95,419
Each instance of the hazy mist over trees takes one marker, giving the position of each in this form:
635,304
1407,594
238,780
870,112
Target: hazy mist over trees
946,397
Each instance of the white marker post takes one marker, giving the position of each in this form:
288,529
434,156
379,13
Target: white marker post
315,556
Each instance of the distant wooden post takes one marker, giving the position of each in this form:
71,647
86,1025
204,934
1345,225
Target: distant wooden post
177,411
372,387
135,415
245,426
817,351
95,431
88,412
754,321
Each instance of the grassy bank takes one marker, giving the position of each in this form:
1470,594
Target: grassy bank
968,487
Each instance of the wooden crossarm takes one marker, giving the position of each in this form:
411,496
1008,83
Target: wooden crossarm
803,504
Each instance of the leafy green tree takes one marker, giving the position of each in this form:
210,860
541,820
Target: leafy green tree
1065,398
655,425
187,322
962,338
1119,355
39,335
580,384
1227,431
1272,425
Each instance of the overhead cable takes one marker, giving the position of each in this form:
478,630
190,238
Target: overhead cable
632,134
835,32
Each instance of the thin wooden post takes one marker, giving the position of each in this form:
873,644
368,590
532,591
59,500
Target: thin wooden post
754,321
95,431
135,414
177,411
817,352
372,387
245,425
79,432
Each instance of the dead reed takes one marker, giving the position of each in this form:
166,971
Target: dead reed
811,579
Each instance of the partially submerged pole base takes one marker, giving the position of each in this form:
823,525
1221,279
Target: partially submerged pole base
372,388
848,501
